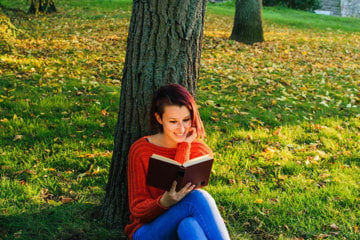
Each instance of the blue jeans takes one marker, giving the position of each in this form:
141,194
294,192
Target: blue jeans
194,217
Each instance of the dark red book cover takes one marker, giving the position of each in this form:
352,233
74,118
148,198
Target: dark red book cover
164,171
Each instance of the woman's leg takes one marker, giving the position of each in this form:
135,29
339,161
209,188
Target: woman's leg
197,204
189,229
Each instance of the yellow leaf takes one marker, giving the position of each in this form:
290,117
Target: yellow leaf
97,171
282,177
259,201
336,179
18,137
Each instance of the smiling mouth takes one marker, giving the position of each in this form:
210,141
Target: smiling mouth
180,135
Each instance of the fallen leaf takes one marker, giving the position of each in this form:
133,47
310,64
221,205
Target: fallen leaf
18,234
83,174
46,195
277,131
259,201
97,171
322,236
334,227
286,227
282,177
92,155
66,199
18,137
319,127
104,113
246,224
268,150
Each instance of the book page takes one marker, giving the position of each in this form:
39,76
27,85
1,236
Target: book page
165,159
197,160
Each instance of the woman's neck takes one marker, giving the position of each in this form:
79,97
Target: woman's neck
159,139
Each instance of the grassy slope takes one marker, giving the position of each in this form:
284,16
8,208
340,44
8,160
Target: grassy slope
282,118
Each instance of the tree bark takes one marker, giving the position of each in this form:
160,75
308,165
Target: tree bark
163,46
248,22
42,6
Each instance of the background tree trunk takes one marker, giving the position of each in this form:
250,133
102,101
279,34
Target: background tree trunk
248,22
163,46
42,6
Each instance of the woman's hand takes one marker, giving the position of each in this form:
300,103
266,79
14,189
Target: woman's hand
172,197
191,136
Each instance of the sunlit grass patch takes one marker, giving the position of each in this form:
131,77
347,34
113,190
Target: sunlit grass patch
282,118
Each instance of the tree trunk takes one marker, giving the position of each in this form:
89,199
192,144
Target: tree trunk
42,6
163,46
248,22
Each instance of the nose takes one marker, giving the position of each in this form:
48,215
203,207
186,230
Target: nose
181,127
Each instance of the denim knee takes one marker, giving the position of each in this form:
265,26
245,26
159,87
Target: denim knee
200,196
186,222
189,229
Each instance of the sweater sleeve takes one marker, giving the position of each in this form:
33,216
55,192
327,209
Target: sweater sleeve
186,151
182,152
142,205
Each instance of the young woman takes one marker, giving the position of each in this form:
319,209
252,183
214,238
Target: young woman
165,215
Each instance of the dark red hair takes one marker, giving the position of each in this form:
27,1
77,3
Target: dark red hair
175,94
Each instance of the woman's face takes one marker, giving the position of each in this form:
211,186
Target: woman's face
176,122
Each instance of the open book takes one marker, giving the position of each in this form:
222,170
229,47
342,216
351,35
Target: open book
164,171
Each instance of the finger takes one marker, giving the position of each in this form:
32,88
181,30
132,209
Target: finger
173,187
186,188
193,129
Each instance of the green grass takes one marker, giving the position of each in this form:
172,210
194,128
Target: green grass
281,16
282,118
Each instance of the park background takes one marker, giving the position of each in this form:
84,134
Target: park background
282,117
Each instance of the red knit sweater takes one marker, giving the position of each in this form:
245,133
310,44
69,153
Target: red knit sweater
144,200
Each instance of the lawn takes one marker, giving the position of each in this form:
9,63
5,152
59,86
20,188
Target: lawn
282,118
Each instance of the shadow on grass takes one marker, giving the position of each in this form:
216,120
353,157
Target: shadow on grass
71,221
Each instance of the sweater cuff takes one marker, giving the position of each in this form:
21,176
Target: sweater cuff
183,152
159,204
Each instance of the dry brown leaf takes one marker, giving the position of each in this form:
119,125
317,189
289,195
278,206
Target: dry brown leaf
18,137
277,131
334,227
104,113
66,199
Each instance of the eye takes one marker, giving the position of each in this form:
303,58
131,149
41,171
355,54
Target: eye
187,119
172,121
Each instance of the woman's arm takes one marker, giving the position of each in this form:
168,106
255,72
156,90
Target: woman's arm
142,205
183,153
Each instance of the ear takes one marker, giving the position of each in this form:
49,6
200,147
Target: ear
158,118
